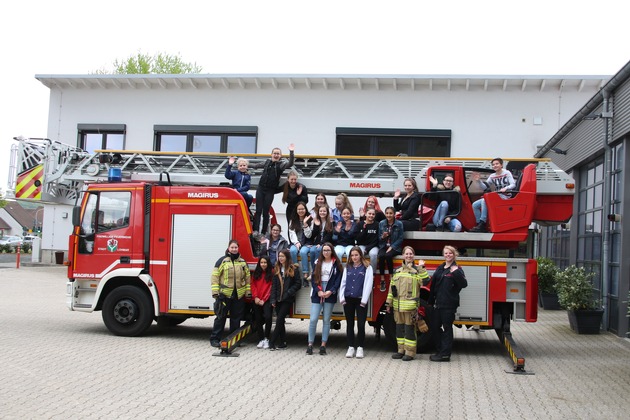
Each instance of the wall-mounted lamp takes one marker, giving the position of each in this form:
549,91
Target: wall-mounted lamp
615,217
608,114
558,151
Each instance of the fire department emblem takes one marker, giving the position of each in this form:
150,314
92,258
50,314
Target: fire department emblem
112,245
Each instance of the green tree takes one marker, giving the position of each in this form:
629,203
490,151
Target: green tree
159,63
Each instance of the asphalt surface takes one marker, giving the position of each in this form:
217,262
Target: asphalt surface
57,364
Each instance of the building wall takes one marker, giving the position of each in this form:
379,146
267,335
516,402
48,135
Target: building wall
483,123
586,141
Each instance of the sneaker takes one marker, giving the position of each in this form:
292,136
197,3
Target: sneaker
265,344
282,346
215,343
350,352
359,354
397,356
407,358
306,280
481,227
260,345
322,350
383,285
438,358
309,350
439,228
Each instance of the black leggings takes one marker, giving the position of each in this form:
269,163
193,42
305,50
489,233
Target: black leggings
352,306
264,200
262,315
386,257
282,310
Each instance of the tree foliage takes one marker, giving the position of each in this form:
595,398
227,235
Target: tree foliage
160,63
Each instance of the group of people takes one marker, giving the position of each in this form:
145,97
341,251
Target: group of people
318,240
275,286
308,230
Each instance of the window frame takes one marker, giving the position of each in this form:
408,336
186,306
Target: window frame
191,131
104,130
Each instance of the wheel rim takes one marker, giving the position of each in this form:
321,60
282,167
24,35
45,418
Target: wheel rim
125,311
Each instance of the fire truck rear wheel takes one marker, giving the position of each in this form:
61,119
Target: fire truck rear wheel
127,311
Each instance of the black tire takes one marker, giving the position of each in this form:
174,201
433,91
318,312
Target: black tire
127,311
167,321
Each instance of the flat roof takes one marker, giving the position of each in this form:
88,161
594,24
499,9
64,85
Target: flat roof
540,83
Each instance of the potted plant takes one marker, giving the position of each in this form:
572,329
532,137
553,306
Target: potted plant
575,294
547,272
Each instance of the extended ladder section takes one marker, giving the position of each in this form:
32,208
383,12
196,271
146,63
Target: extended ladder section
50,171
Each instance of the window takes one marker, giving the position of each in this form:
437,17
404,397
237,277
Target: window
591,219
210,139
393,142
104,211
101,136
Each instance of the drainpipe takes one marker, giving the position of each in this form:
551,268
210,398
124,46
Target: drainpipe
606,117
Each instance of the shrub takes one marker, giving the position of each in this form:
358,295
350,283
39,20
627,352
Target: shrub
547,272
25,248
575,290
6,249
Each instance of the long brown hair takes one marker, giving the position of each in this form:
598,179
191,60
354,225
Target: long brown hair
317,272
358,249
285,190
328,226
289,268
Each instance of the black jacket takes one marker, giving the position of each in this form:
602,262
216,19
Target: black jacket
366,235
272,171
285,292
445,287
408,207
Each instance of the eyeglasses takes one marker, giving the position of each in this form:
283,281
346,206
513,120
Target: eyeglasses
275,230
448,180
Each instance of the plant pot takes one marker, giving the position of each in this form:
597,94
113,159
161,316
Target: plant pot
586,321
550,301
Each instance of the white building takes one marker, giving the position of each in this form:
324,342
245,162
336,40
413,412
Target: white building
441,115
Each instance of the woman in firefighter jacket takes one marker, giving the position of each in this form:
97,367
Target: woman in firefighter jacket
230,284
325,283
446,283
404,298
284,286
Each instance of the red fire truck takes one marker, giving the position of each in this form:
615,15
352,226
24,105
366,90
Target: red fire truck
143,246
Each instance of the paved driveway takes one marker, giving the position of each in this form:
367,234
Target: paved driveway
58,364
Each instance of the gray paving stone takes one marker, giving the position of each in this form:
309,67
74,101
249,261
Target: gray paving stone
59,364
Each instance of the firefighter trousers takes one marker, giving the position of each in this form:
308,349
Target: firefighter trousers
405,333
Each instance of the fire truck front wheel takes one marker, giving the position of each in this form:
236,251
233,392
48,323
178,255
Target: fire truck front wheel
127,311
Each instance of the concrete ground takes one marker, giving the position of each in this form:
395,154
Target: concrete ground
57,364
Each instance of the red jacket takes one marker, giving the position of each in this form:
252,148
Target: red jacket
261,288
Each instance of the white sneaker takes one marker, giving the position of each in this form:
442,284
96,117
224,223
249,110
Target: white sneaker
359,353
265,344
261,344
350,352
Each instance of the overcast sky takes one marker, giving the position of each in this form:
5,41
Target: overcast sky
508,37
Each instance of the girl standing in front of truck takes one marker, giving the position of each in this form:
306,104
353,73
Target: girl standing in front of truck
261,291
325,283
285,285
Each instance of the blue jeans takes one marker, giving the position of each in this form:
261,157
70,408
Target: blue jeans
440,214
304,251
373,254
316,309
314,254
342,250
481,211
